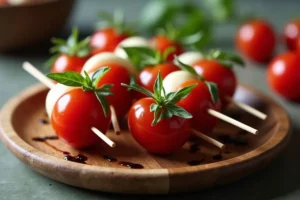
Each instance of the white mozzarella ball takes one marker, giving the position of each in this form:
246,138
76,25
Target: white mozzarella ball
53,95
190,57
174,79
135,41
106,58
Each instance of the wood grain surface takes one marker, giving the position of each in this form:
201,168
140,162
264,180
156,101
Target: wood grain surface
244,153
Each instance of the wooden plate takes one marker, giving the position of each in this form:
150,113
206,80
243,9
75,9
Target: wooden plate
245,153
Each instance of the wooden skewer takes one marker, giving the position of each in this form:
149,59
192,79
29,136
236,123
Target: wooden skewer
248,108
232,121
45,80
104,137
208,139
114,120
38,75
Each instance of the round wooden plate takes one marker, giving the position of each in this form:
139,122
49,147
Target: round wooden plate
23,118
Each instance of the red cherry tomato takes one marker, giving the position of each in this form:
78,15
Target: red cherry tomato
197,103
283,75
73,116
68,63
256,40
106,40
291,34
147,76
221,75
161,43
165,137
121,98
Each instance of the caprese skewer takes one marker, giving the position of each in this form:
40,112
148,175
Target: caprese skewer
82,112
216,67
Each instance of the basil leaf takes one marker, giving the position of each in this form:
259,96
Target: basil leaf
174,97
141,56
98,75
158,85
192,39
104,103
185,67
167,52
68,78
226,57
221,10
139,89
179,111
213,89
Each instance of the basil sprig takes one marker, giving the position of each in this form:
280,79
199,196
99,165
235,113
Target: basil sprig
116,21
75,79
165,104
225,58
212,87
145,56
72,47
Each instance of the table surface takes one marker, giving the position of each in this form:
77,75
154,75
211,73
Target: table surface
279,180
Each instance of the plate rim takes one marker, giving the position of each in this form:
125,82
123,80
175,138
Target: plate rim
29,154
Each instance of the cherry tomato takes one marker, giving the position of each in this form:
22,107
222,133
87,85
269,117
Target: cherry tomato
147,76
256,40
68,63
121,98
73,116
197,103
291,34
283,75
106,40
165,137
221,75
161,43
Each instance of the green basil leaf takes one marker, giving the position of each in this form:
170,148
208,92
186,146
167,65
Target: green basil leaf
174,97
213,89
68,78
158,86
167,52
185,67
141,56
98,75
192,39
139,89
104,103
226,57
179,111
221,10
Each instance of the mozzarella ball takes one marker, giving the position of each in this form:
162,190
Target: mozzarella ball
130,42
53,95
190,57
106,58
172,81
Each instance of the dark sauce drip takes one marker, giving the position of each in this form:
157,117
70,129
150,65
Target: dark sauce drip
194,148
195,162
43,121
109,158
131,165
79,158
218,157
43,139
230,140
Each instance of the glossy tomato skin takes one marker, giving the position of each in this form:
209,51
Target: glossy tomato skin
68,63
283,75
106,40
146,78
121,98
291,34
165,137
197,104
223,76
73,116
161,43
256,40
